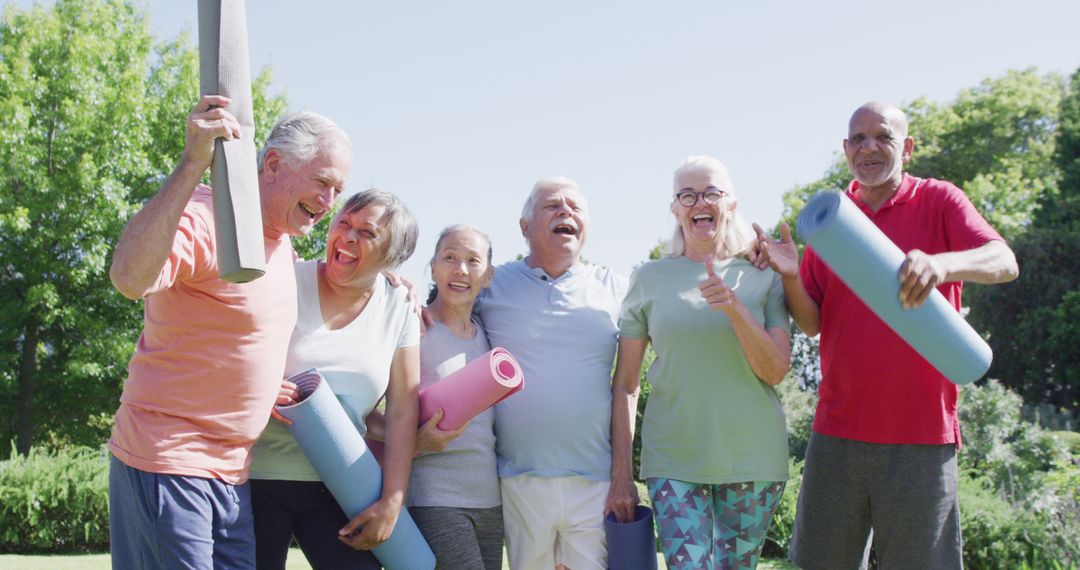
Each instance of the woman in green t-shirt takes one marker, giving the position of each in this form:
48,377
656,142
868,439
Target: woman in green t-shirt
714,441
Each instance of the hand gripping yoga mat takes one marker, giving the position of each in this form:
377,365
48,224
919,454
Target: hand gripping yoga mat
224,70
631,545
472,389
868,263
337,452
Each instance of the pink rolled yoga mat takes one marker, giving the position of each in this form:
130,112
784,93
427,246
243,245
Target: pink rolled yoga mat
474,388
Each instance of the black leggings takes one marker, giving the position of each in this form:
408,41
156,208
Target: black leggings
306,510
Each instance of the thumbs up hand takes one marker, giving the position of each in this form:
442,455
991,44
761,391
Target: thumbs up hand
715,292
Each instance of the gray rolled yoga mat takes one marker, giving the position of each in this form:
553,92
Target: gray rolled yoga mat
224,70
336,450
868,263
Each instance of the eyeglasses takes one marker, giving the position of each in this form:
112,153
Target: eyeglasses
688,197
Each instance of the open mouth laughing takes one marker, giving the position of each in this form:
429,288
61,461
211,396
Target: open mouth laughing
565,229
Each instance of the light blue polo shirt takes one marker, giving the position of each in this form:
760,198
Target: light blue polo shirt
563,331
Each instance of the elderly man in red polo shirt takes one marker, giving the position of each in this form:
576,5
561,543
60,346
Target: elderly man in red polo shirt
881,463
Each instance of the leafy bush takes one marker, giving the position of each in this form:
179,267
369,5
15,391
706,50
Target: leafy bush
1058,502
996,533
999,444
799,407
55,501
779,536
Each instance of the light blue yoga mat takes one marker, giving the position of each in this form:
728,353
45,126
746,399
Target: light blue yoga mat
337,452
868,263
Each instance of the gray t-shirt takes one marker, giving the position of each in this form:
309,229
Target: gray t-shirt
465,474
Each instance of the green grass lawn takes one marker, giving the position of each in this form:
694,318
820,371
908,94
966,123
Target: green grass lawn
296,562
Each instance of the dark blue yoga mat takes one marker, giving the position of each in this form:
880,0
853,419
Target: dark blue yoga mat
868,263
337,452
631,545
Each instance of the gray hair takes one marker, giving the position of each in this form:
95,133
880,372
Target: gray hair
738,237
301,136
434,291
546,184
398,220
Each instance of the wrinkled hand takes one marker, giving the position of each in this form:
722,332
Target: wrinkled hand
208,122
622,497
288,395
431,439
715,292
919,275
377,521
781,254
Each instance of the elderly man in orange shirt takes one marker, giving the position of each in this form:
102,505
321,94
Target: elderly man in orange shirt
208,366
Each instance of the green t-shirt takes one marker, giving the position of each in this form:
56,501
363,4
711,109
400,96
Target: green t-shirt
709,419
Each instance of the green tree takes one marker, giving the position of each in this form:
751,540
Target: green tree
1032,322
91,121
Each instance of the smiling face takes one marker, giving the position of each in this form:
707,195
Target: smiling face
295,198
878,146
356,246
556,228
460,267
703,223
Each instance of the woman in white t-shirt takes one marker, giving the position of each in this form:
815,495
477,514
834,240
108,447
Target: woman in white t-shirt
363,335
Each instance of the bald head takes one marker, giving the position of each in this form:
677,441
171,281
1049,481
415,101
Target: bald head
891,113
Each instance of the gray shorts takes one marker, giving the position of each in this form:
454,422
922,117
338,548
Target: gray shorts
900,498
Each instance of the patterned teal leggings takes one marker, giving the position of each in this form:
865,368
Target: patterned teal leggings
709,527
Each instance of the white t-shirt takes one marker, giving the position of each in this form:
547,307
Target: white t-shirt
355,360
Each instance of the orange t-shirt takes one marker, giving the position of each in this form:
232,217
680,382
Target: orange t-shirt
210,360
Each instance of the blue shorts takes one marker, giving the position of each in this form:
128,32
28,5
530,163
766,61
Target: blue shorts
176,521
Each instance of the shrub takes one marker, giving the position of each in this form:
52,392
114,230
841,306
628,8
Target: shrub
55,501
996,534
799,407
1002,446
779,536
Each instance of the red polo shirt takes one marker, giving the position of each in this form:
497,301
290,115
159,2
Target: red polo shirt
875,387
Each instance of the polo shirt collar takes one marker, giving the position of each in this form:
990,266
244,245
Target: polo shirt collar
539,273
906,192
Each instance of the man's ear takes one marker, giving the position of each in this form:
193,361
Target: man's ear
909,145
524,226
272,162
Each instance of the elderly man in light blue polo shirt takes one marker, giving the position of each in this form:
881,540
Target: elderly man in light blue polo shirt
558,316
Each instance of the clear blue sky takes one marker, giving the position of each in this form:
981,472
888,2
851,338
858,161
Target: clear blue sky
458,107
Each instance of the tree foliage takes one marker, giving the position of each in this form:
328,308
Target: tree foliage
1032,323
91,121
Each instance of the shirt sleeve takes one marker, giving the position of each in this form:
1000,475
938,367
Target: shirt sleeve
192,248
633,315
965,228
812,272
776,312
410,328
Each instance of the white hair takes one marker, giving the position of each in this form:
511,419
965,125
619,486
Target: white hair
738,236
548,184
301,136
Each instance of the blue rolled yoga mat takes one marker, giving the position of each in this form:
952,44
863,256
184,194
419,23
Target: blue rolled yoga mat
868,263
631,545
337,452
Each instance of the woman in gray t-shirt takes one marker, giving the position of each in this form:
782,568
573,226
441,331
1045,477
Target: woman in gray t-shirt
454,489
